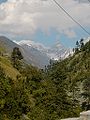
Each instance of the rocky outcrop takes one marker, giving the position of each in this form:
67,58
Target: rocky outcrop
71,119
83,116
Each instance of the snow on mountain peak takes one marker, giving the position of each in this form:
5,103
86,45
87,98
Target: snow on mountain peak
33,44
56,52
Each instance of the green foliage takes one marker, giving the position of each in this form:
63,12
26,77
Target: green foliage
46,95
66,89
8,68
86,93
79,46
16,54
16,58
13,99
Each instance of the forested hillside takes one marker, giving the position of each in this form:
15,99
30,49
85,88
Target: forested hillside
61,90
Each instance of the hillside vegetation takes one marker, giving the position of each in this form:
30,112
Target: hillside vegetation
62,90
8,68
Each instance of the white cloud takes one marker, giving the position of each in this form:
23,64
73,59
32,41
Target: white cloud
83,1
24,17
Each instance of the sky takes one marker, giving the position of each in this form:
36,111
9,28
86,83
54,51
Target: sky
42,21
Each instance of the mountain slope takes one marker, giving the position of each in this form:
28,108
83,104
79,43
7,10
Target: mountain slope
8,68
35,57
52,94
31,55
55,52
35,53
6,44
58,51
75,71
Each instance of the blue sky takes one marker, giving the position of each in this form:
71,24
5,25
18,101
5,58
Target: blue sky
1,1
55,36
42,21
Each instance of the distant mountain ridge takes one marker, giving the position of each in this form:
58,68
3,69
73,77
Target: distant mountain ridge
35,53
7,44
31,55
36,57
55,52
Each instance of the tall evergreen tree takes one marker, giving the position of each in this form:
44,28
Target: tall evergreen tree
16,56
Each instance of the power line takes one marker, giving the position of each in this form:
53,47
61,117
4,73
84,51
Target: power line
88,0
71,16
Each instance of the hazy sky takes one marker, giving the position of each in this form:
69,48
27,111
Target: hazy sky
42,21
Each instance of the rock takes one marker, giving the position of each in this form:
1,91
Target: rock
85,115
71,119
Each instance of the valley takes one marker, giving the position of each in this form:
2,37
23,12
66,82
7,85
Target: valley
60,90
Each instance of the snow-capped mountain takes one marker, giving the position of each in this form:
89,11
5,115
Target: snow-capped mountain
33,44
55,52
58,51
30,54
34,53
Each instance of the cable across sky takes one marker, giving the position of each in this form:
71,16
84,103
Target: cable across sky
61,8
88,0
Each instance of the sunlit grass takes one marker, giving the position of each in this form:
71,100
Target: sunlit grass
8,68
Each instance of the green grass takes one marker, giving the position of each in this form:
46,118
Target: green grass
2,49
8,68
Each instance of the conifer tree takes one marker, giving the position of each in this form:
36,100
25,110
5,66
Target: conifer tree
16,56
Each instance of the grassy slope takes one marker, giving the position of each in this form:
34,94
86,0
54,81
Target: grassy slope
8,68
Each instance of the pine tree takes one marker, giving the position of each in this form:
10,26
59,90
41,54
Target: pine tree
16,57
